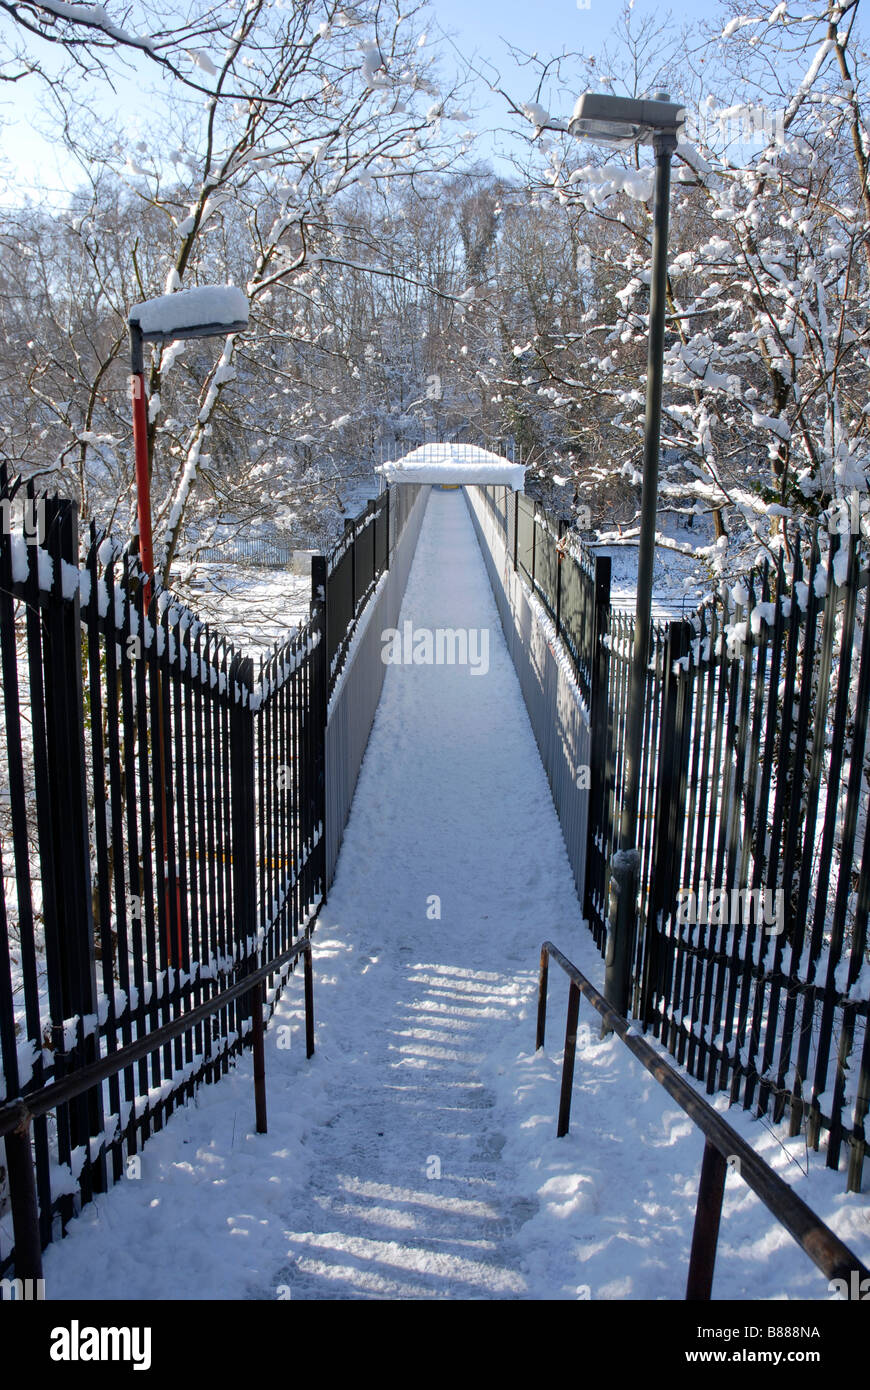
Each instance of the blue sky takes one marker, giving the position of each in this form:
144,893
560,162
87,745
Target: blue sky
547,25
480,27
488,28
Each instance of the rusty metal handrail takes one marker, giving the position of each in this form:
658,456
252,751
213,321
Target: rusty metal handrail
723,1147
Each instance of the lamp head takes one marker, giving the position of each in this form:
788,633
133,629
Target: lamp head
205,311
621,121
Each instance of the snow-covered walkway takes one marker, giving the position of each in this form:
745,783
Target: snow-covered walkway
410,1195
414,1156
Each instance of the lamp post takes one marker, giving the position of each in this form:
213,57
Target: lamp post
625,122
206,311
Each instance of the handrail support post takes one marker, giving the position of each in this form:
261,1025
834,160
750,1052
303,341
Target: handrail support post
568,1062
817,1240
708,1214
259,1050
25,1203
542,998
309,1003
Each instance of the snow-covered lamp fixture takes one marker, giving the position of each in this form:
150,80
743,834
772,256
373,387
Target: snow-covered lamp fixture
610,120
205,311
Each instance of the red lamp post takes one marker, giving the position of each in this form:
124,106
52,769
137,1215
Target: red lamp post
204,312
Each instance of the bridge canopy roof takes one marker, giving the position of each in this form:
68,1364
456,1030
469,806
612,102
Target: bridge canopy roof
465,464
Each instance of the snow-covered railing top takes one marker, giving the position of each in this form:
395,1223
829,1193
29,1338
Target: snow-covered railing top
202,311
108,585
463,464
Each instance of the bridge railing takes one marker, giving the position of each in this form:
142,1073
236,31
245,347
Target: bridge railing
751,943
350,574
16,1118
163,833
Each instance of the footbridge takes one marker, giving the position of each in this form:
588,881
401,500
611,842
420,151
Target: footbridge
408,798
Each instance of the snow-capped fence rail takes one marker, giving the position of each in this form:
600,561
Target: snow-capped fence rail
751,960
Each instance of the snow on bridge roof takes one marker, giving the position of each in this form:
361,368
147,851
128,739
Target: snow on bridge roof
454,463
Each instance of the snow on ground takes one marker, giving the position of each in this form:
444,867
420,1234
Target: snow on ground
414,1156
680,583
253,605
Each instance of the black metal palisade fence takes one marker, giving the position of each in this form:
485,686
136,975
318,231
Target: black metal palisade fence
752,962
162,818
348,576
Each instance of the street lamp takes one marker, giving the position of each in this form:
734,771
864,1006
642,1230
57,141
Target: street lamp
205,311
624,121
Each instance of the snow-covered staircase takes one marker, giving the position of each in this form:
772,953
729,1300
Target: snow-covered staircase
407,1197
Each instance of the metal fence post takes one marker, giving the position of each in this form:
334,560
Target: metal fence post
534,540
320,698
599,732
353,592
561,527
568,1060
543,978
666,849
24,1202
243,823
72,977
621,922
